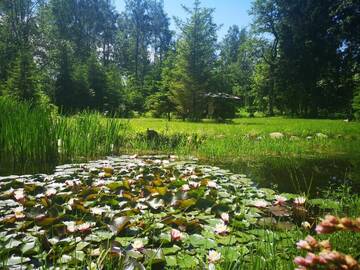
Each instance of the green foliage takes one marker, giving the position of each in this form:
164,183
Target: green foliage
195,58
356,99
23,81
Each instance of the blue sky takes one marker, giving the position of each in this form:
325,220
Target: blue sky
227,12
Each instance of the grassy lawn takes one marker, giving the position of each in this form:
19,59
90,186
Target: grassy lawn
249,138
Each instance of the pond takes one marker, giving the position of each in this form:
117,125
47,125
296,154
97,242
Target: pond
135,211
299,175
293,175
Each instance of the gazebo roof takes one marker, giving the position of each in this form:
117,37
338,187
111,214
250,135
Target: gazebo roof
220,95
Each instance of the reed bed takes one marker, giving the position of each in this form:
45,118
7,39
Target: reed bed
32,133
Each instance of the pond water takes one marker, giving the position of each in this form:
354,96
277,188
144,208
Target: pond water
293,175
296,175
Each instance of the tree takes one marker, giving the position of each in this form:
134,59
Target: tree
266,14
195,58
22,81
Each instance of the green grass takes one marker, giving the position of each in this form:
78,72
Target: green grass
249,138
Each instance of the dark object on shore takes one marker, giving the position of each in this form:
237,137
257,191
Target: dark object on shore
152,134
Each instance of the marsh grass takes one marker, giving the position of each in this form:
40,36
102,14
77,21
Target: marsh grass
33,134
26,132
89,135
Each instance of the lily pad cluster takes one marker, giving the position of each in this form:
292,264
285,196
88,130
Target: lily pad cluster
135,211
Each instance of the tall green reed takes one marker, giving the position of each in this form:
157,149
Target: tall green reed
27,132
33,134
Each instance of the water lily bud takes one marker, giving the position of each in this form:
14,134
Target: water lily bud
214,256
176,235
306,225
299,201
225,217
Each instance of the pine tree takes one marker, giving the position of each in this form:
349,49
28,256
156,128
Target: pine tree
194,62
22,82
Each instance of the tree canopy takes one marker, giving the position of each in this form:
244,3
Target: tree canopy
298,58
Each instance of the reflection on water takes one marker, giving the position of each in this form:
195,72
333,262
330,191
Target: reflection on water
293,175
7,168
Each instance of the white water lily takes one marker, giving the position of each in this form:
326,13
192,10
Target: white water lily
214,256
221,228
19,212
70,226
138,244
50,192
19,194
97,211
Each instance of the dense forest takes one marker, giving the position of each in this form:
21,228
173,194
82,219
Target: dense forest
297,58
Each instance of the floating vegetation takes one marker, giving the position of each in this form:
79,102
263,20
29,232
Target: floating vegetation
133,211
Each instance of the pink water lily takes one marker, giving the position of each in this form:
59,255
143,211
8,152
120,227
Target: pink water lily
185,188
176,235
85,227
280,200
194,184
